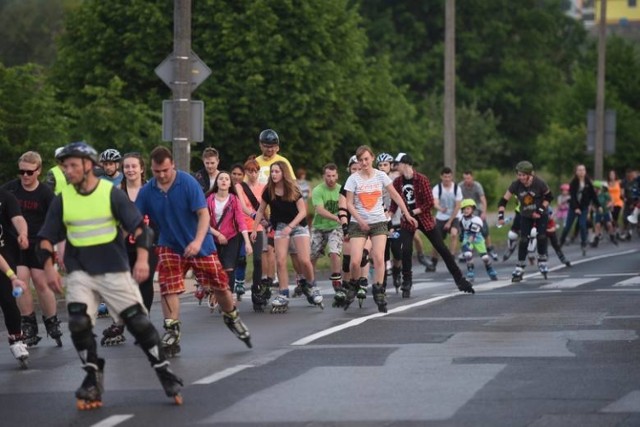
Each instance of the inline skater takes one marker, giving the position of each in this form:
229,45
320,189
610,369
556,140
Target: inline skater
89,214
473,239
534,196
110,163
582,196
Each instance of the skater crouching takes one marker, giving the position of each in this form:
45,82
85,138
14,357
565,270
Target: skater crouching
89,215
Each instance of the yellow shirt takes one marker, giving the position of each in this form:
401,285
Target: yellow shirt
265,167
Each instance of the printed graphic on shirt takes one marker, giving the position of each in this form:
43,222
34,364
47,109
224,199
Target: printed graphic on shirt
409,194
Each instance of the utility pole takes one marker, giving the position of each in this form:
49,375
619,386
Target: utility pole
181,86
602,52
450,85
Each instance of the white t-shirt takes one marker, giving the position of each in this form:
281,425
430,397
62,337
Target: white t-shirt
447,199
367,195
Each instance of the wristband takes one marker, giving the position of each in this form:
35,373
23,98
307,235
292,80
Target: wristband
501,216
10,273
253,215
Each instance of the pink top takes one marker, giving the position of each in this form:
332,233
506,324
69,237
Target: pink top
232,218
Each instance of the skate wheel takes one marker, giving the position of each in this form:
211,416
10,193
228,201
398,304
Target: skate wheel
178,400
23,364
87,405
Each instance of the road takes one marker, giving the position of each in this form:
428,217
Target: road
556,352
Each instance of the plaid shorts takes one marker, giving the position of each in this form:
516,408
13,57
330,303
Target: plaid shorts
172,267
320,239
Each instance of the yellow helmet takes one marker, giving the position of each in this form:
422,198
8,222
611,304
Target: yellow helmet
467,202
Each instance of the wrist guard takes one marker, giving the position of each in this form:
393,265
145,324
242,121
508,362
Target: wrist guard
345,229
145,239
42,255
501,216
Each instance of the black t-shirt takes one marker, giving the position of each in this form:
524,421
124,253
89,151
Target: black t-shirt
282,211
408,193
99,259
9,208
530,197
34,204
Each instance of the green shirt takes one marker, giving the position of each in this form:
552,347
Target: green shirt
327,198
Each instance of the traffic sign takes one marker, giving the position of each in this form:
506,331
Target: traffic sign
197,121
199,71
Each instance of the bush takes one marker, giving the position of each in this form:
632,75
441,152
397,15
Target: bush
491,182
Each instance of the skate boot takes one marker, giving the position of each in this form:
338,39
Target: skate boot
52,324
297,291
113,335
612,237
542,266
380,297
171,383
563,259
470,272
336,281
30,330
200,293
361,290
517,274
395,273
347,294
89,394
493,275
19,350
422,259
583,246
492,253
465,286
596,241
239,288
103,311
407,283
431,267
235,325
314,297
260,295
280,304
171,337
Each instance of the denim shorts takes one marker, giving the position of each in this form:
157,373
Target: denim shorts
298,230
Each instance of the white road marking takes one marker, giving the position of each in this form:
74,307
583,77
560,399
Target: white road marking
222,374
632,281
568,283
113,420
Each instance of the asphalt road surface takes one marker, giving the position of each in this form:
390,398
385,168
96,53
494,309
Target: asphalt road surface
557,352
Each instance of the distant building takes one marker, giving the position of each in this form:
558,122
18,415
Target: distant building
623,16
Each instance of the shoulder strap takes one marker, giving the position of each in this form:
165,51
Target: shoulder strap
254,202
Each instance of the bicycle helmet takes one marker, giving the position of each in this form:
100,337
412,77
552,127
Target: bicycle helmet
269,137
110,155
353,159
384,157
78,149
524,167
466,203
58,151
564,187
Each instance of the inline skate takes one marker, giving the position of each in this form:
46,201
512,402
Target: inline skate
30,330
470,272
517,274
260,295
239,289
280,304
380,297
89,394
465,286
19,350
113,335
361,291
493,275
314,297
407,284
52,325
544,270
171,383
171,337
297,291
395,274
235,325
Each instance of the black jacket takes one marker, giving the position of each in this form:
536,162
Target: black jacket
588,195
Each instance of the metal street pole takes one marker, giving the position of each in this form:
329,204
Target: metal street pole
602,50
449,86
181,86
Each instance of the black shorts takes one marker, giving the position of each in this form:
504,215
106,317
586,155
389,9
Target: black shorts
28,258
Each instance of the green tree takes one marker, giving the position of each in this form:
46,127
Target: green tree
30,117
296,66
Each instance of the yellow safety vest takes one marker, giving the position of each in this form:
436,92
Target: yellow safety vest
61,180
88,218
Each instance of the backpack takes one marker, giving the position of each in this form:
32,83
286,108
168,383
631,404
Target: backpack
455,189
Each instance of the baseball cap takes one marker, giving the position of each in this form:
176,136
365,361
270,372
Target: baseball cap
404,158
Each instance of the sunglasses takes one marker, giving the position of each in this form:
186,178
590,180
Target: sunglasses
27,172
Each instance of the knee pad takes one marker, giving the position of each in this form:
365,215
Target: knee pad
512,235
346,263
486,259
468,255
138,323
81,330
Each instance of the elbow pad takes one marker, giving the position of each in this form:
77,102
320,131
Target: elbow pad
145,239
502,203
548,197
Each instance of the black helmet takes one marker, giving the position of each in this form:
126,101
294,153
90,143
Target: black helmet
269,137
110,155
78,149
524,167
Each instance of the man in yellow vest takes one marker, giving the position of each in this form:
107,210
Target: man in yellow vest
89,214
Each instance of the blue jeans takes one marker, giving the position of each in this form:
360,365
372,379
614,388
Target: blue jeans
582,224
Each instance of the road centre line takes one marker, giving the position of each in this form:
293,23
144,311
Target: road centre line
113,420
222,374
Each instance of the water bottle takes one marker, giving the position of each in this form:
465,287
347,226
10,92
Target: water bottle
17,292
506,221
394,234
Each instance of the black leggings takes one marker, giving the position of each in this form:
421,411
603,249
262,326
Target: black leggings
146,287
9,307
437,242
